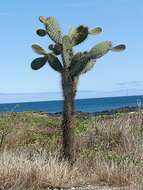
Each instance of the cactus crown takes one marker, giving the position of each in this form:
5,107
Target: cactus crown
78,63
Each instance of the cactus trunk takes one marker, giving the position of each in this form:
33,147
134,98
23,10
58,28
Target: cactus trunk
69,91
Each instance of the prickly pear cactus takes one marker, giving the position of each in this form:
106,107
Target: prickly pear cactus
77,63
70,65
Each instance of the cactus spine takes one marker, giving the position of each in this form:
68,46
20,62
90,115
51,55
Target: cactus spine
72,66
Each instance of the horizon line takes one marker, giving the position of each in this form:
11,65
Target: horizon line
124,89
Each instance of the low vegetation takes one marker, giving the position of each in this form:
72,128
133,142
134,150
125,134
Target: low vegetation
109,151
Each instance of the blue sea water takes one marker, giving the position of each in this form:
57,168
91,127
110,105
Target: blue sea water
83,105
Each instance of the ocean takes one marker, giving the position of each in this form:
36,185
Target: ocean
83,105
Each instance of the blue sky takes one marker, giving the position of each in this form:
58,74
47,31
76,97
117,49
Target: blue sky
121,20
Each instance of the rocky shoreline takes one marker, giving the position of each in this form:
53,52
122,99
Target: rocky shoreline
106,112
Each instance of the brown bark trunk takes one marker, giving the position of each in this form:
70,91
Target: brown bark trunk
69,90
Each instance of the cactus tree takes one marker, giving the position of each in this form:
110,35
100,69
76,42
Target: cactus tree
71,67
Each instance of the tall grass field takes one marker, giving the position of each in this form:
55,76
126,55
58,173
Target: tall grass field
109,151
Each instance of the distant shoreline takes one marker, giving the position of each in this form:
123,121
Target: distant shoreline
106,112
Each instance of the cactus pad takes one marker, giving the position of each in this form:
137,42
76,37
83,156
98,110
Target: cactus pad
38,49
53,29
54,62
89,66
76,58
41,32
57,48
95,31
79,66
38,63
42,19
100,50
78,35
119,48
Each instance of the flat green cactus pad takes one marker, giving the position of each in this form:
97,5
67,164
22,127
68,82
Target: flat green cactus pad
53,30
100,49
78,35
119,48
38,49
54,62
38,63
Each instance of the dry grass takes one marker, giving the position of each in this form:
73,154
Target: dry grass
115,152
17,170
110,152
